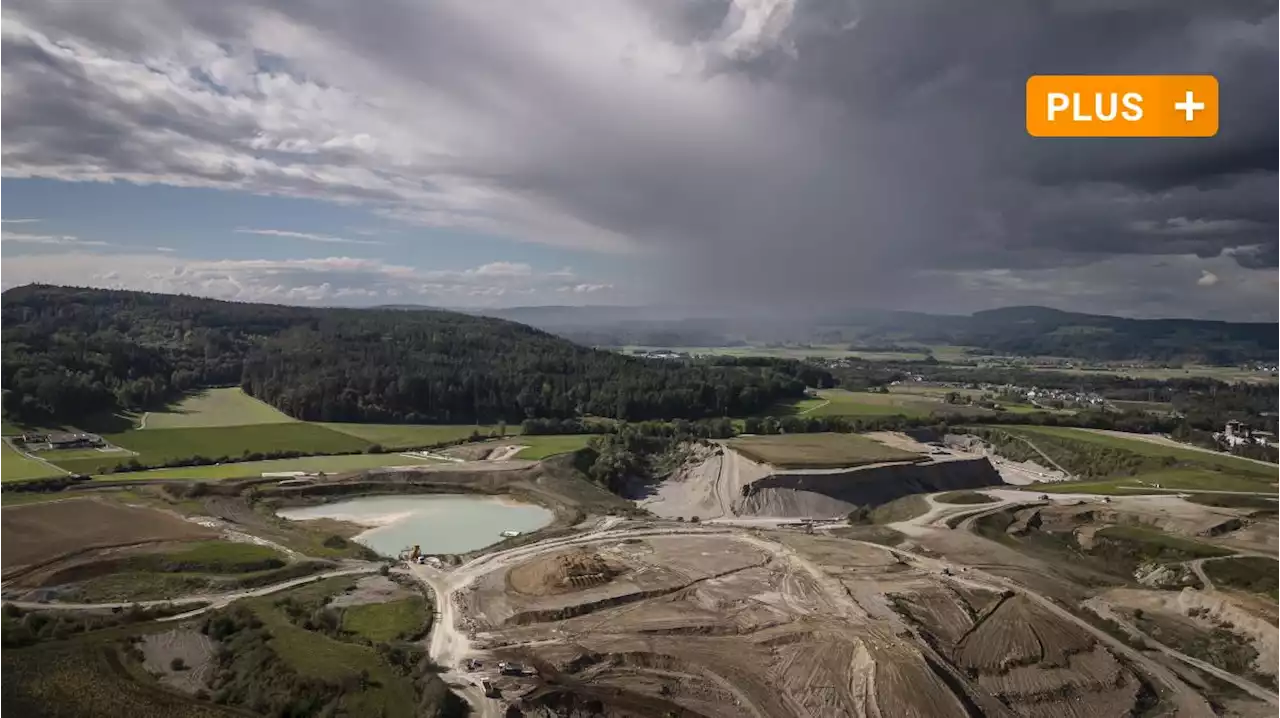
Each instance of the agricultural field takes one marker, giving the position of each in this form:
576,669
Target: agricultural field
814,451
839,402
16,466
35,533
214,407
254,469
942,352
413,436
158,446
538,448
209,557
1221,373
1154,407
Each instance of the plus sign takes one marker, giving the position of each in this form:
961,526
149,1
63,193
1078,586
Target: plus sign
1189,106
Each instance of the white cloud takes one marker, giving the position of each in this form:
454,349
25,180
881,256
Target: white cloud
18,221
585,288
307,280
50,239
1181,226
166,249
1207,278
305,236
762,150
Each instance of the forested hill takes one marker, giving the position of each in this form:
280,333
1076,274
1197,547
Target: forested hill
70,352
1024,331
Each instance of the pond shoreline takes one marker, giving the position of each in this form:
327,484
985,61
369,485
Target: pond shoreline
443,523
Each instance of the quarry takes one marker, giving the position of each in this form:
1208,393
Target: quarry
875,575
724,481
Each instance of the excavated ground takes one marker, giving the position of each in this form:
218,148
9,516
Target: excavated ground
783,624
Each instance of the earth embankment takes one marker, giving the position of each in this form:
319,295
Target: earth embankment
833,494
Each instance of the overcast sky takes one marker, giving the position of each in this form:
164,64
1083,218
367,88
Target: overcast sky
803,154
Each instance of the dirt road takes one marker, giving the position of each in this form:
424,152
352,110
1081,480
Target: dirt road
215,600
449,644
1102,608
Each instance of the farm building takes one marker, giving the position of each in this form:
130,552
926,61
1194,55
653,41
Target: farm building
64,440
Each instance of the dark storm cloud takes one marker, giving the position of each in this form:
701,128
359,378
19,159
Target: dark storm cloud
801,153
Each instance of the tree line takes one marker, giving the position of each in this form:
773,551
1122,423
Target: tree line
69,353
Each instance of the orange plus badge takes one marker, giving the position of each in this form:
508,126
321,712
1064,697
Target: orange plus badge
1122,106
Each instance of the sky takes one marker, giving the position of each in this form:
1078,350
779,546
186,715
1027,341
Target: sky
780,155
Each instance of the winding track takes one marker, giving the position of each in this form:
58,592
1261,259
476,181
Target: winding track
449,646
215,600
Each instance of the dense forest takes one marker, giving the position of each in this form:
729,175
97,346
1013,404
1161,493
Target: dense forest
69,353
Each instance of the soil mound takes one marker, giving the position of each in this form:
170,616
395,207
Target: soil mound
834,494
561,573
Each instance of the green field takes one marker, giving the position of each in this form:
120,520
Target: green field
1251,573
1158,545
212,557
943,352
316,655
158,446
541,447
254,469
388,621
1221,462
1190,480
1155,407
963,497
1137,465
56,455
815,451
215,407
15,466
413,436
838,402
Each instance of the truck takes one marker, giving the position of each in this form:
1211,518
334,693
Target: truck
487,686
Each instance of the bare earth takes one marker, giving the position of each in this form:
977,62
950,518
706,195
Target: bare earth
38,533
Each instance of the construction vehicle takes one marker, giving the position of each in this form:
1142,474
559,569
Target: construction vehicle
489,690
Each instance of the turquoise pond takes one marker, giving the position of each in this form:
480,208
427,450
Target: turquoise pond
438,523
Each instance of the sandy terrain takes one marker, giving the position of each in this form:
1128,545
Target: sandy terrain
725,483
193,648
807,628
706,487
1013,472
1210,609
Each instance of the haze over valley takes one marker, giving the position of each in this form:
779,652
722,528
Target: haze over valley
633,359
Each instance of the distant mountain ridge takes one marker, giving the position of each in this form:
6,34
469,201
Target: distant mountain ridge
1021,330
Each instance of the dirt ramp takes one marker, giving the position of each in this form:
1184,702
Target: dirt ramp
834,494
